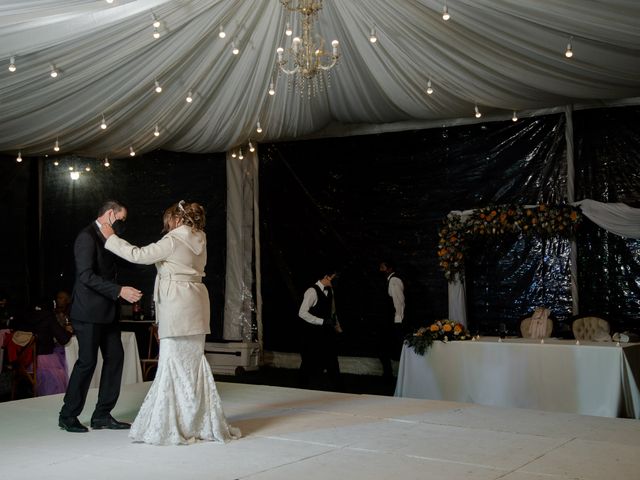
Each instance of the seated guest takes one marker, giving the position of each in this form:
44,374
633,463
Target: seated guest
63,307
52,370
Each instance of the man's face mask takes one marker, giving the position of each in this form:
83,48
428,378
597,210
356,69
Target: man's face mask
118,226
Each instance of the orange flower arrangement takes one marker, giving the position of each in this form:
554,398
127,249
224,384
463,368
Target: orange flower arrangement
443,330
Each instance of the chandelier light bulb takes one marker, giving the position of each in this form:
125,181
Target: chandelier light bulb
103,125
258,128
74,175
156,132
288,32
158,87
295,43
478,114
240,156
221,34
335,44
251,147
234,49
233,154
56,146
514,118
12,64
429,88
156,33
569,51
272,90
19,158
132,152
372,36
189,97
54,72
445,13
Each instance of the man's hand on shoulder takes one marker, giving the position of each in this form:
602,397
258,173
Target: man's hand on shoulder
130,294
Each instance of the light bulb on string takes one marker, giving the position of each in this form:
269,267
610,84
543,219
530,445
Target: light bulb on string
258,128
103,125
56,163
74,175
56,146
288,32
54,72
71,169
132,152
569,51
189,98
12,64
106,162
445,13
429,88
156,22
156,33
221,33
478,114
234,49
234,154
87,169
240,155
372,36
251,147
158,87
514,118
156,132
272,90
109,1
19,158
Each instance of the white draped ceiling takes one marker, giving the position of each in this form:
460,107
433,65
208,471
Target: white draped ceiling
501,55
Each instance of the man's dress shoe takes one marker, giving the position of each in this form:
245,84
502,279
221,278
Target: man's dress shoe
109,423
71,424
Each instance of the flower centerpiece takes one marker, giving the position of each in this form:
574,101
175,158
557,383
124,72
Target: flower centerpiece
444,330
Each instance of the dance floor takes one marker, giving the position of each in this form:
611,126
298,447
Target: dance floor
303,434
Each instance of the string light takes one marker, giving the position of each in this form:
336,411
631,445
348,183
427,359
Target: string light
251,147
156,33
372,37
233,154
158,87
189,98
103,125
445,12
429,88
106,161
132,152
221,34
272,90
19,158
87,169
109,1
71,169
74,175
156,22
478,114
56,146
240,156
54,72
569,51
56,163
156,132
288,32
514,118
234,49
258,128
12,64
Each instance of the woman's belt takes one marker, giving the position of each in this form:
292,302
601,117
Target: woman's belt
173,277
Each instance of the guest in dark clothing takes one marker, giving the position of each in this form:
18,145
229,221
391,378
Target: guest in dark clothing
320,327
50,336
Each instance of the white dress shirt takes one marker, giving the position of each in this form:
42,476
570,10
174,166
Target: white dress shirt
396,292
309,301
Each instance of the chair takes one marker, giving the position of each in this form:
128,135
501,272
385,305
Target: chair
591,329
525,328
24,361
153,350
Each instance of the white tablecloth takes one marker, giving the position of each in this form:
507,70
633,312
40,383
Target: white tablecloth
131,372
590,379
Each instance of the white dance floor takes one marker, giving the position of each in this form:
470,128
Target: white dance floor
302,434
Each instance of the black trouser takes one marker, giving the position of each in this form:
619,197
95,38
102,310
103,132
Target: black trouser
319,353
93,337
391,339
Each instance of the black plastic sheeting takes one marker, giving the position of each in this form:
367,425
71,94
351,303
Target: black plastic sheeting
351,202
608,170
147,184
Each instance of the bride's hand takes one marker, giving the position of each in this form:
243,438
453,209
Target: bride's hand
106,230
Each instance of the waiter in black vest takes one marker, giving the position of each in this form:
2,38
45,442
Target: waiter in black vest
320,327
392,327
94,317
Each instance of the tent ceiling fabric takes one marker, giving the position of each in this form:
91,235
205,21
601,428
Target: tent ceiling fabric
502,55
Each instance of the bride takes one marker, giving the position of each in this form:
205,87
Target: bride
182,405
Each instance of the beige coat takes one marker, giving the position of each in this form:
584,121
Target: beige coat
182,300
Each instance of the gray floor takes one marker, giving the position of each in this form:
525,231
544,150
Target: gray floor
292,434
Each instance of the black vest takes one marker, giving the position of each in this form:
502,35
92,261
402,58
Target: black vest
322,308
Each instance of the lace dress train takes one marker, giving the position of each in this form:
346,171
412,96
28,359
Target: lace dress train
182,405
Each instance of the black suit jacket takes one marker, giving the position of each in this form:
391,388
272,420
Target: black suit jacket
95,292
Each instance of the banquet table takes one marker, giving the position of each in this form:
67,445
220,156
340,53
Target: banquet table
589,378
131,372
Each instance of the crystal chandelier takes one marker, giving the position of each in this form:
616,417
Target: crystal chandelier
305,59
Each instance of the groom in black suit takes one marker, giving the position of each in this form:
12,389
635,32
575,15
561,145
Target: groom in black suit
94,316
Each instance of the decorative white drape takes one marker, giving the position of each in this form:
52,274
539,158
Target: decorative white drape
500,55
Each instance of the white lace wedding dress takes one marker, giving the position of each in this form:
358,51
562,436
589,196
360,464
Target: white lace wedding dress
182,405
